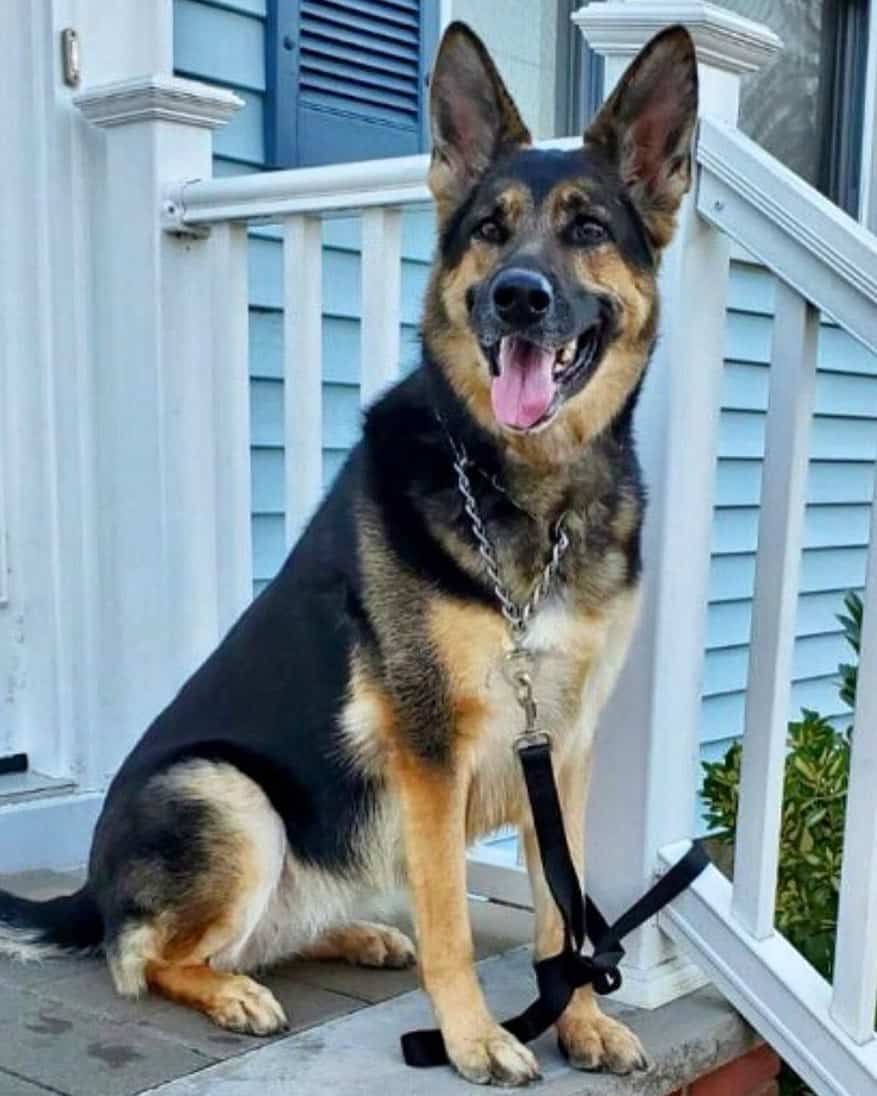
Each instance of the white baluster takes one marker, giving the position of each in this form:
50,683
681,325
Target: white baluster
381,285
855,970
303,369
775,601
231,401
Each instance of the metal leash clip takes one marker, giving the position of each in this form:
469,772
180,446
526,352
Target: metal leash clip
532,738
519,662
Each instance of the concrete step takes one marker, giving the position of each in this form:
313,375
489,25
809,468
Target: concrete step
358,1054
66,1031
15,787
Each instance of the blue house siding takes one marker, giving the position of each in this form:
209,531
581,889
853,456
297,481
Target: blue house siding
341,403
840,481
223,42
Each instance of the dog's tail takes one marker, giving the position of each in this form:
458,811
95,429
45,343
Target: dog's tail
37,930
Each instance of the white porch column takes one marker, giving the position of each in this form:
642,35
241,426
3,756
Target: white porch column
119,563
156,406
646,770
50,457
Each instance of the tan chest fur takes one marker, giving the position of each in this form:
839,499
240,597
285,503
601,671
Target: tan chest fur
577,655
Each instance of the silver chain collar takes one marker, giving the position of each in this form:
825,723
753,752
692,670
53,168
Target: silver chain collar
517,617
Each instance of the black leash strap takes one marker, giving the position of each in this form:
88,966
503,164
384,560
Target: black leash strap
559,976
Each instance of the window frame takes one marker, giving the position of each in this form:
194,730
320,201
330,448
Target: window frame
844,64
579,70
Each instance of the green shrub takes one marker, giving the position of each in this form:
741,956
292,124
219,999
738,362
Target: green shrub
852,628
811,835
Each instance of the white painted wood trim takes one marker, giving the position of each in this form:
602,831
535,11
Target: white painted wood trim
381,272
158,97
120,40
271,195
4,534
774,608
302,370
770,983
739,254
51,833
724,40
796,232
231,402
501,882
657,986
855,977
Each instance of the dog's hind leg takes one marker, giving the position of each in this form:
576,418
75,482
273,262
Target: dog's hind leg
198,853
364,944
233,1001
183,973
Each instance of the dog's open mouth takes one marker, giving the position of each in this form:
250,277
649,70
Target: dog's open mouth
531,381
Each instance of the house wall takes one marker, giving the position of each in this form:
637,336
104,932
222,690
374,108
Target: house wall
223,43
523,42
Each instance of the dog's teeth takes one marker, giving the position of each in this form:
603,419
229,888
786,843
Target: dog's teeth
564,358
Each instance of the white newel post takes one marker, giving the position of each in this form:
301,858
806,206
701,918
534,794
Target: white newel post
646,770
163,473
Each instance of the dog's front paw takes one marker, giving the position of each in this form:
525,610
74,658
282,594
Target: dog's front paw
596,1042
492,1056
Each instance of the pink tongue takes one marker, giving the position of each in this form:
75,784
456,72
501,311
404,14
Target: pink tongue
524,389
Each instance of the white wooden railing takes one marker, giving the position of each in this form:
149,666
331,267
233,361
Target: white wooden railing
824,262
298,201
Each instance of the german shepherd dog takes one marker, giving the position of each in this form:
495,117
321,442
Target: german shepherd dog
354,730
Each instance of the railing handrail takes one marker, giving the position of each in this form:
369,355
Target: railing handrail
799,234
269,196
335,189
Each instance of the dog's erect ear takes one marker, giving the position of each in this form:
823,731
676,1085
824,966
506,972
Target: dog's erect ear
646,126
472,117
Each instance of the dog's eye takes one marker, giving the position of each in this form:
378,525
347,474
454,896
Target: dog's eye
490,231
588,230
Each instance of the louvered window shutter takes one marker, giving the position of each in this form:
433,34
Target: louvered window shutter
347,79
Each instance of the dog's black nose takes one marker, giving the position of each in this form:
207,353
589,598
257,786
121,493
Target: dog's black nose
520,296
